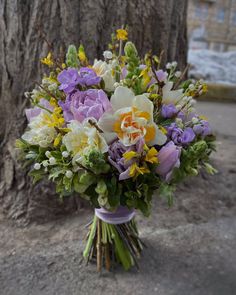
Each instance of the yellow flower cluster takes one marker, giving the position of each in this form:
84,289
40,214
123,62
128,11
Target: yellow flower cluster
149,155
48,60
122,34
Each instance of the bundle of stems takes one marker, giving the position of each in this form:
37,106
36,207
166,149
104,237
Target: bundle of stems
111,243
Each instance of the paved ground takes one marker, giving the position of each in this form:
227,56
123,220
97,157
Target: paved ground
191,247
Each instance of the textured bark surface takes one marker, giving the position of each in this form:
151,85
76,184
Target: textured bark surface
153,24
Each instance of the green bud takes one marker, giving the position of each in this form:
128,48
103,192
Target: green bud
130,49
72,57
101,188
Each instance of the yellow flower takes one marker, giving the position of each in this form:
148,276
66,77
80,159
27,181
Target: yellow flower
121,34
57,140
47,60
130,155
82,55
135,170
53,102
204,88
145,76
151,156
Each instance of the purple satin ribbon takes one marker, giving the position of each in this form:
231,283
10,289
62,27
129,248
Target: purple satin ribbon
121,215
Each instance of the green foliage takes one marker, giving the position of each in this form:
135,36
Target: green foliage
72,57
95,161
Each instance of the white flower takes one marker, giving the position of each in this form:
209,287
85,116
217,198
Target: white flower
195,120
178,74
69,174
37,166
104,70
168,65
40,133
132,119
65,154
174,64
52,161
107,54
171,96
82,138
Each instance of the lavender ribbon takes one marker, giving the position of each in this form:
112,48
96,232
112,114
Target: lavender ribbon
121,215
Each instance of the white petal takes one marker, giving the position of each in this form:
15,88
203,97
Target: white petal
171,96
159,139
106,122
142,103
122,97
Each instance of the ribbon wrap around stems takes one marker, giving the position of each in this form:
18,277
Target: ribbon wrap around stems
121,215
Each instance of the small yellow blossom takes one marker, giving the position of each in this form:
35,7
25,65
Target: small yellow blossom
53,102
135,170
82,56
121,34
63,65
130,155
204,88
145,76
163,129
57,140
151,156
48,60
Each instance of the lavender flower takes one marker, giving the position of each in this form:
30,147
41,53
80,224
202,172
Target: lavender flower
88,77
69,79
168,159
203,128
180,136
83,104
168,111
161,75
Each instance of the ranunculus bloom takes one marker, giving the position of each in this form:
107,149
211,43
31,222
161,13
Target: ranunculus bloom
84,104
168,110
82,138
168,159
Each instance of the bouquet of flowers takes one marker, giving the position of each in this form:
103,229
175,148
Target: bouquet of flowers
114,132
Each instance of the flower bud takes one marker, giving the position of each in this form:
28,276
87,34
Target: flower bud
178,74
45,163
37,166
107,54
65,154
69,174
47,154
52,161
130,49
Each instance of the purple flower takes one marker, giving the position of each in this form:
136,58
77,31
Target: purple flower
168,110
203,128
116,151
161,75
179,136
69,79
88,77
84,104
168,159
35,111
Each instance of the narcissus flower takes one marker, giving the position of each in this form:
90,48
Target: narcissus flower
131,120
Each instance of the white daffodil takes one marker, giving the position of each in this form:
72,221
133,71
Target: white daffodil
82,138
105,71
131,120
171,96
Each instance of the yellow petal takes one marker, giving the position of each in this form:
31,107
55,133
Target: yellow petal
150,133
151,156
129,155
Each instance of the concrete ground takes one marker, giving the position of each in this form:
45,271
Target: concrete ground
191,246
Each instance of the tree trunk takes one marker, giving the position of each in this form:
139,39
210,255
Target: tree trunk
153,24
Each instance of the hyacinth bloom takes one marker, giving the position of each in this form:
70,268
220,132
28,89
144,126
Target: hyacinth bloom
131,119
84,104
169,158
83,137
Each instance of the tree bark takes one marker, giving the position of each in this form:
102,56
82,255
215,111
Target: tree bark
153,24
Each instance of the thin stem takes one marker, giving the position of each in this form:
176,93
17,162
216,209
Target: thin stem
99,250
